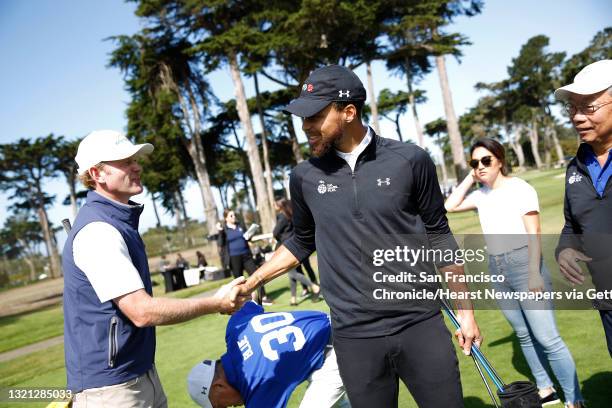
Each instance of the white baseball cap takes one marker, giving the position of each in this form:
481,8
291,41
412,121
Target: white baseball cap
106,145
199,380
593,78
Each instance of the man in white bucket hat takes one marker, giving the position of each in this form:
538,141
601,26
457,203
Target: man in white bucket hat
109,312
587,233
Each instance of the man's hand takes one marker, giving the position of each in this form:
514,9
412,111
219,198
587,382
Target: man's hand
568,265
240,291
229,305
468,333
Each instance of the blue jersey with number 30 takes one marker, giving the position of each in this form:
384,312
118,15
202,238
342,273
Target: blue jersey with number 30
269,354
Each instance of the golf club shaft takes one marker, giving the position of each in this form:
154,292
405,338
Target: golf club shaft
476,351
484,380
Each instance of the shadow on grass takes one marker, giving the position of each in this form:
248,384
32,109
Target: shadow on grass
276,293
518,359
474,402
597,390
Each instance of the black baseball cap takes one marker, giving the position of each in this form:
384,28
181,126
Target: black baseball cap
333,83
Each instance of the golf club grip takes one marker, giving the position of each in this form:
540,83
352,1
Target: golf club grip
66,224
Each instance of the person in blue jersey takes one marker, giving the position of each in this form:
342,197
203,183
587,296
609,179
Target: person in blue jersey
268,356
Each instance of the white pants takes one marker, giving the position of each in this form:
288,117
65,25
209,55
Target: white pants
325,388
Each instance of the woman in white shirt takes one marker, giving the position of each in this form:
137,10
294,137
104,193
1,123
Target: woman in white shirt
509,216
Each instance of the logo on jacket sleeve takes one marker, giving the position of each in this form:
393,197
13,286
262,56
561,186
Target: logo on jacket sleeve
575,178
326,187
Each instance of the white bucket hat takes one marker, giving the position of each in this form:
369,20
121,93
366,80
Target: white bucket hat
106,145
593,78
198,382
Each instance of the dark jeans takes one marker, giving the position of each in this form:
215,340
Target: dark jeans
240,263
311,273
421,355
606,319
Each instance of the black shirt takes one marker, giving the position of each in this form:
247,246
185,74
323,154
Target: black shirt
392,191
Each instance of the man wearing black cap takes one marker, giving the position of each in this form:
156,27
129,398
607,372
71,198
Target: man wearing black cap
360,187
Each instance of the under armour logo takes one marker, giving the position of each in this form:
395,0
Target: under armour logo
386,181
204,390
342,94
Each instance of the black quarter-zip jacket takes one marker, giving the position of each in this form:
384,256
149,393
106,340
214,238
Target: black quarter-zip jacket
588,220
393,190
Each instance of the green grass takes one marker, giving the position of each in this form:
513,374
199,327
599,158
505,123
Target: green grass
181,346
28,328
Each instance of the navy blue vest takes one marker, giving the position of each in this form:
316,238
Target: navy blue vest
101,345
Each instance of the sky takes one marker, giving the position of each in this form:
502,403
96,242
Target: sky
55,79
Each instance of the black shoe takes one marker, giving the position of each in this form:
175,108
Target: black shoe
550,399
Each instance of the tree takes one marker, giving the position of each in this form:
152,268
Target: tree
600,48
389,102
439,130
22,235
66,152
169,91
24,166
534,75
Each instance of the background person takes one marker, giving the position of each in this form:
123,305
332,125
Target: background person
587,232
509,216
181,262
237,252
283,230
109,312
356,186
268,356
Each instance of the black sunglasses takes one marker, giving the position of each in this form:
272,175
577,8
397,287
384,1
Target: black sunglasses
486,161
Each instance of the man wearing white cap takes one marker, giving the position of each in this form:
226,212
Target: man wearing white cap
587,233
109,312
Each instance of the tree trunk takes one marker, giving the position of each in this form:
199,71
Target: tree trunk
415,115
373,106
444,172
56,269
398,128
517,148
264,145
255,163
557,145
452,125
155,211
533,138
295,146
28,258
73,200
195,148
181,201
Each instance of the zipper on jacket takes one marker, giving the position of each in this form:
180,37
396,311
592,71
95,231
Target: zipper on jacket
356,211
112,341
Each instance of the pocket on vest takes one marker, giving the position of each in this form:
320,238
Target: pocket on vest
112,341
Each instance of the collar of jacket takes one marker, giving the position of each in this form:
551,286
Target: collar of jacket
128,213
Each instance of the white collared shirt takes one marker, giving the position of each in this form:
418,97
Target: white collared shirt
351,157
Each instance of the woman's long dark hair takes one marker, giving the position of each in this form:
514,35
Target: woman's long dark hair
494,147
285,207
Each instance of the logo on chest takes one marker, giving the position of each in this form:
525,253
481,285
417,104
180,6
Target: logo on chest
326,187
383,182
574,178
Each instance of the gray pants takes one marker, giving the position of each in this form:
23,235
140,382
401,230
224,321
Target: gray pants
142,392
294,277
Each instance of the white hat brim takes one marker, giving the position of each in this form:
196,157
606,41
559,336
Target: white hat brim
563,93
131,150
